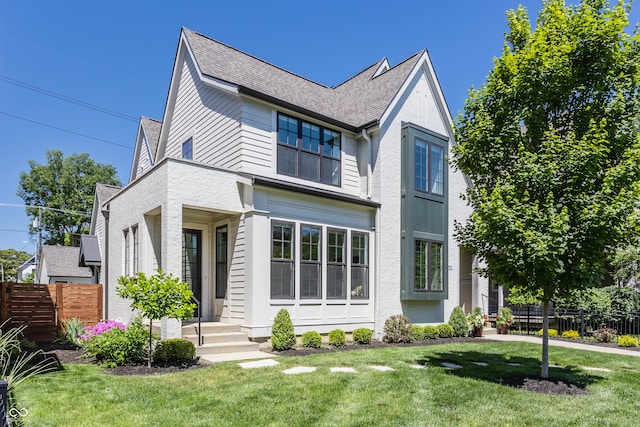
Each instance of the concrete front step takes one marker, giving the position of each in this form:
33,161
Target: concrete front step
227,347
218,338
489,331
209,328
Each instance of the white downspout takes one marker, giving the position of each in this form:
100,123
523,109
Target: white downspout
365,135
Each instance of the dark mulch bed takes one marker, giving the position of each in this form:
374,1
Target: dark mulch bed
65,354
546,386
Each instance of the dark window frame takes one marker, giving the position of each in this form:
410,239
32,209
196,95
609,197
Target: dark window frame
429,174
291,260
136,249
127,253
364,292
324,153
187,154
337,263
311,263
423,273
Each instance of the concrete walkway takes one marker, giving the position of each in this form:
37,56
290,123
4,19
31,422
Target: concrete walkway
566,344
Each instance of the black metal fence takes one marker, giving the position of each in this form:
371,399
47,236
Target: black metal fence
529,319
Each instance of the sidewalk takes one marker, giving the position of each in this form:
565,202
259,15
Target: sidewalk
557,343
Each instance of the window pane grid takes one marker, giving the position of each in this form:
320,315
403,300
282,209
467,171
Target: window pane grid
310,262
428,167
308,151
428,266
282,263
435,266
436,170
421,165
336,264
359,265
420,274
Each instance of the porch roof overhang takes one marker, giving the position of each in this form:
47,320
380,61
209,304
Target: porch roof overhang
89,251
319,192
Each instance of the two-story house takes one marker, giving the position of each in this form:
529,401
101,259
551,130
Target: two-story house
264,190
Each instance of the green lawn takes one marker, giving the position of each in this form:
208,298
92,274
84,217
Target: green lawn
225,394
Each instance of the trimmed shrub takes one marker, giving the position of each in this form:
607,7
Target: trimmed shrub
445,330
282,335
605,335
118,347
362,336
570,334
174,350
397,329
417,333
337,338
430,332
311,339
458,322
627,341
552,332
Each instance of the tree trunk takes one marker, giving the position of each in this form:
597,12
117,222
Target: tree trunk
544,373
149,356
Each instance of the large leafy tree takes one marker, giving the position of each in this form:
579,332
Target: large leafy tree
551,145
11,259
65,185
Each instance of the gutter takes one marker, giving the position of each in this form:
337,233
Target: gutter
302,189
259,95
367,138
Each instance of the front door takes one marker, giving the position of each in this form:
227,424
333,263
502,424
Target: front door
192,262
221,267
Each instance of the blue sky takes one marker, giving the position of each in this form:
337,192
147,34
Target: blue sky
118,55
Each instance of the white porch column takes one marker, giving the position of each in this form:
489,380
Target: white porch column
171,256
480,287
257,292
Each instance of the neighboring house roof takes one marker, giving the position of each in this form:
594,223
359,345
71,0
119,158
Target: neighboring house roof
27,263
62,261
356,103
89,251
151,128
104,192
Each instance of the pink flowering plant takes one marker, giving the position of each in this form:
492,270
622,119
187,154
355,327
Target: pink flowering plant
101,327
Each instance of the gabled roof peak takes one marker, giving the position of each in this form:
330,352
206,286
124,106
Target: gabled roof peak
253,57
353,104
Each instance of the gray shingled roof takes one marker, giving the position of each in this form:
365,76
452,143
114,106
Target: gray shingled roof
105,192
62,261
152,131
355,103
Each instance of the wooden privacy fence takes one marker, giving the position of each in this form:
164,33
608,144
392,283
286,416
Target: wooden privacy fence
41,307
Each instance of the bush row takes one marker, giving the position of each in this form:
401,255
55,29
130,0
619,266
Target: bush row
283,336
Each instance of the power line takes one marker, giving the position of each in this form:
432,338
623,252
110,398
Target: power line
67,99
66,130
15,205
13,230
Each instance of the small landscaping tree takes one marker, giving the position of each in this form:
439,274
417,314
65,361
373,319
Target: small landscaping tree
458,322
161,295
282,335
